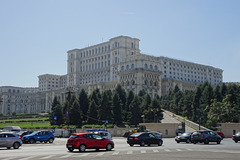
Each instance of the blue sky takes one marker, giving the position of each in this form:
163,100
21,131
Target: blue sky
36,35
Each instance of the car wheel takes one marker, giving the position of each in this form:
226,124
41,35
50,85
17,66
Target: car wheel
70,149
109,147
16,145
8,147
51,140
82,148
178,141
142,143
131,145
45,141
32,141
194,142
160,143
218,141
206,141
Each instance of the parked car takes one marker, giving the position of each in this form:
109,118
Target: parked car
83,141
220,134
185,137
205,136
143,138
10,139
41,136
12,128
236,137
104,134
23,133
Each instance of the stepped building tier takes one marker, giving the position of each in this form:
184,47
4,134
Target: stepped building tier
104,66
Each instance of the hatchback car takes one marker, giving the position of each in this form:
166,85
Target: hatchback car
185,137
236,137
9,139
143,138
41,136
205,136
220,134
83,141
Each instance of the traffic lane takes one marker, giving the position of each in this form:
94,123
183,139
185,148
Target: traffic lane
121,147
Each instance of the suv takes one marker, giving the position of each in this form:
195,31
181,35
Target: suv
205,136
83,141
42,136
9,139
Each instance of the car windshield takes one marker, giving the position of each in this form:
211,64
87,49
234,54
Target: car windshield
238,134
34,133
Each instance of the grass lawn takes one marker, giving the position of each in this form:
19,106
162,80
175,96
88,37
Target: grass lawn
28,125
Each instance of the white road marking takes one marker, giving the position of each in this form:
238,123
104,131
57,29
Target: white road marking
189,149
179,150
66,156
129,152
31,157
115,153
155,151
100,154
143,151
47,157
167,150
82,155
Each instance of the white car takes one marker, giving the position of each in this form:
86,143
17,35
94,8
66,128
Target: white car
104,134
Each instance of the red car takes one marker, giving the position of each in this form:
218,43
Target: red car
219,133
83,141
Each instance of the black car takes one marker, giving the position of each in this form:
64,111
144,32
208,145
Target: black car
185,137
205,136
143,138
236,137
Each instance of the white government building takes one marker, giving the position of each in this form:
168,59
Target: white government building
104,66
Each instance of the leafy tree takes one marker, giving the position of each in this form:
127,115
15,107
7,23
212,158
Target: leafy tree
196,111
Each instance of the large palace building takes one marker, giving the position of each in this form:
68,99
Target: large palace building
104,66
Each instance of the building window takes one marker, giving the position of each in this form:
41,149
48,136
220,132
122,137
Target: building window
127,67
132,67
146,67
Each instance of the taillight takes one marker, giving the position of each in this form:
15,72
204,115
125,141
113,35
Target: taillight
135,138
202,135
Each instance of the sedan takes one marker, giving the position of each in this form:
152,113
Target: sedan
236,137
9,139
143,138
83,141
185,137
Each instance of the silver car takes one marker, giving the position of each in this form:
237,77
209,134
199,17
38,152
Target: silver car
9,139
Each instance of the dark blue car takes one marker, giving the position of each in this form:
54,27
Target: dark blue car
41,136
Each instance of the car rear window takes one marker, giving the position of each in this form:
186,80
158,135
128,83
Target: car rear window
73,136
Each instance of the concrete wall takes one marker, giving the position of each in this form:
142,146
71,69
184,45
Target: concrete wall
229,129
168,130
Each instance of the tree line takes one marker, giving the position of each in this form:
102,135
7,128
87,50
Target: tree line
206,105
118,107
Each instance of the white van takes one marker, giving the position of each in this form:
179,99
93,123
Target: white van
12,128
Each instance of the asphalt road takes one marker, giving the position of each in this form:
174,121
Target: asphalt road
169,151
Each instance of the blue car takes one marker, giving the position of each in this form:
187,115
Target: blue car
41,136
